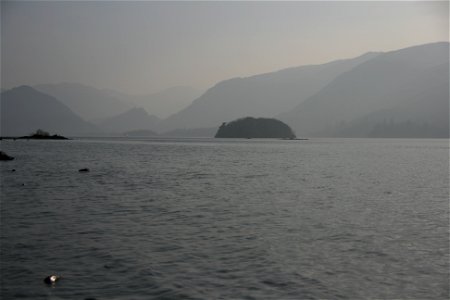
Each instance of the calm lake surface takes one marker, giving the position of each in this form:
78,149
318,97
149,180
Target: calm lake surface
226,219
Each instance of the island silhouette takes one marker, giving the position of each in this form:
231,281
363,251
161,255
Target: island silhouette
250,127
43,135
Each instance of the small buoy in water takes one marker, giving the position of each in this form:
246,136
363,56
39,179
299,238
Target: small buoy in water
13,170
51,279
83,170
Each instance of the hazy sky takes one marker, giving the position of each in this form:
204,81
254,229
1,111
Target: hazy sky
142,47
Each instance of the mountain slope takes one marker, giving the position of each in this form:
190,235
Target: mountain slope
386,81
89,103
424,115
262,95
24,110
133,119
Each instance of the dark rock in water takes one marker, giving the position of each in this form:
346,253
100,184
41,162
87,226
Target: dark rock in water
4,156
13,170
51,279
84,170
250,127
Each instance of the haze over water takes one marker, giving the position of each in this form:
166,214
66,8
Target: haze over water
137,206
226,219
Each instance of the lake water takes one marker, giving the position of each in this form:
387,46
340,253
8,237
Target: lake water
226,219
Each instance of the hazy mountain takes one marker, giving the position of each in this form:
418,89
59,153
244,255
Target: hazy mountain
133,119
164,103
88,102
262,95
400,81
352,97
24,110
424,115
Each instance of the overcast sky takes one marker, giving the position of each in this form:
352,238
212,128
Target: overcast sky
143,47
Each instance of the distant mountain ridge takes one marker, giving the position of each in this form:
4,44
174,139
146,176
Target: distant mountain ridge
89,103
95,104
413,118
134,119
24,110
391,94
392,79
161,104
320,100
263,95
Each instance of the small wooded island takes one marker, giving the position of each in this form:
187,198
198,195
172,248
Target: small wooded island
38,135
43,135
250,127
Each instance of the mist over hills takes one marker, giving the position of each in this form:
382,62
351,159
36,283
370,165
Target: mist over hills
393,80
133,119
402,93
95,104
262,95
24,110
163,103
423,115
89,103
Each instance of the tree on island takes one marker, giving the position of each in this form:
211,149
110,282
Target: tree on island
250,127
40,132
